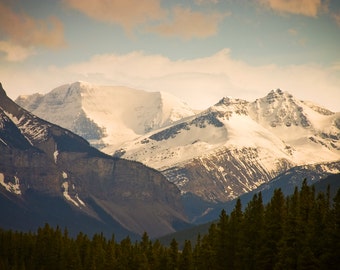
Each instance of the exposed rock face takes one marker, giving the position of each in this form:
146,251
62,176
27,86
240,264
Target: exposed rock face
50,162
218,177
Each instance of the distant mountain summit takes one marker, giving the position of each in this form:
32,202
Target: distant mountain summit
236,145
49,174
106,115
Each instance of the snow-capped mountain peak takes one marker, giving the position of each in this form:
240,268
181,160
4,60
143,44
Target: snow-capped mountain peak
106,115
279,108
227,106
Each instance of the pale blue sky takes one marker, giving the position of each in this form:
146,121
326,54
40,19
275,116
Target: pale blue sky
199,50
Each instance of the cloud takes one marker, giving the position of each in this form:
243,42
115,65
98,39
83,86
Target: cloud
336,17
15,53
23,30
309,8
21,34
128,13
202,2
293,32
200,82
150,16
188,24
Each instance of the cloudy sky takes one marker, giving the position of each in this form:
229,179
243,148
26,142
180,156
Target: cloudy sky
199,50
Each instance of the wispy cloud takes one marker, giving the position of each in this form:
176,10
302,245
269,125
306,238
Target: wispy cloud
293,32
202,2
14,52
188,24
336,17
128,13
309,8
151,16
22,31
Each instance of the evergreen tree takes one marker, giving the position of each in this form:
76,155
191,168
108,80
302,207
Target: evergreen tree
222,239
173,255
233,244
274,217
289,245
252,232
301,231
186,258
207,253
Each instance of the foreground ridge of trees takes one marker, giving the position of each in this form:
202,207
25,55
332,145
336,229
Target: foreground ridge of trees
301,231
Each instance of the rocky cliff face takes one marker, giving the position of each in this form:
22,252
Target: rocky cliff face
225,174
50,162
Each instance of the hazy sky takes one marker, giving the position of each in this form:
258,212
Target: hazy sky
199,50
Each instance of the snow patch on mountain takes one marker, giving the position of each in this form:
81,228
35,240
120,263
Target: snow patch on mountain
11,187
33,130
77,201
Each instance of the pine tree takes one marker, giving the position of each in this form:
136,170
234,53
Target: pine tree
333,258
186,258
252,232
206,253
173,254
234,233
222,239
274,217
124,255
289,245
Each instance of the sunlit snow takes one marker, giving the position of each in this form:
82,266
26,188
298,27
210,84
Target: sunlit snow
278,127
55,156
13,188
66,195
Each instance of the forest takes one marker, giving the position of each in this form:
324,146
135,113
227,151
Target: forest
300,231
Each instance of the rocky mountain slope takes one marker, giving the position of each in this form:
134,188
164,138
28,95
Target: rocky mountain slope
287,182
236,145
49,174
106,116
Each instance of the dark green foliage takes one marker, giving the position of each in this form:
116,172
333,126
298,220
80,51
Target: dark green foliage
301,231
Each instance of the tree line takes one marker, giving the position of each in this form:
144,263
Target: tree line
301,231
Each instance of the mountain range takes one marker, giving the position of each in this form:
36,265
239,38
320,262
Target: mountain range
197,162
49,174
235,146
216,154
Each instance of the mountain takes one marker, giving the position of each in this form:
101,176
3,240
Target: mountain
49,174
235,146
216,154
106,116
